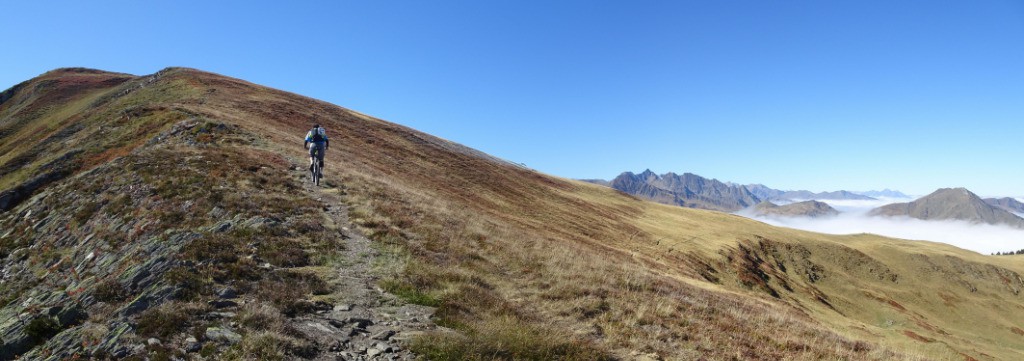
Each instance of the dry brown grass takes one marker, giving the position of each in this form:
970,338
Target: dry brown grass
525,265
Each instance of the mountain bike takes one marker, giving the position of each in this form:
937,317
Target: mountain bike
317,171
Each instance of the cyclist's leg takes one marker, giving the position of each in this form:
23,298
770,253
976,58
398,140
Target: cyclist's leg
320,154
312,155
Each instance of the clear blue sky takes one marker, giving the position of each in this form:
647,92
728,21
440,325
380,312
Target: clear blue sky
818,95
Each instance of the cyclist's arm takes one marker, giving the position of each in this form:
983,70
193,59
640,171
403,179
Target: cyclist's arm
327,143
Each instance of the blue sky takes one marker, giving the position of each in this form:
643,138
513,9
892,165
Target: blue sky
818,95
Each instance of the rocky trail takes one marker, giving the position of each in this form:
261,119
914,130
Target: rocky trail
367,323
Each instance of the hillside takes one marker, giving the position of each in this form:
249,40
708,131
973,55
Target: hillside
764,192
686,190
169,215
813,209
951,204
1007,203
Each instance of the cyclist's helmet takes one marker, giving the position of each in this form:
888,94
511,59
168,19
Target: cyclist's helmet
316,125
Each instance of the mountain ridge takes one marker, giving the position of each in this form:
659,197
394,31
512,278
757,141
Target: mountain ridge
951,204
812,209
1008,203
686,190
186,217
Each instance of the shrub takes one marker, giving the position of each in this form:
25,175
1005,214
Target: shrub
110,291
162,321
41,329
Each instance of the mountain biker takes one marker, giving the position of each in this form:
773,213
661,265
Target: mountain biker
317,142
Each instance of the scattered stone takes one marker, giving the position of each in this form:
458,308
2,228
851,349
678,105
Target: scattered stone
359,322
383,347
222,335
138,305
152,341
121,352
320,327
343,307
192,345
373,352
213,315
223,227
383,335
227,293
73,316
223,303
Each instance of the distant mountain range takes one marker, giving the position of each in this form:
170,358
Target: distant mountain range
769,194
952,204
813,209
693,191
885,193
686,190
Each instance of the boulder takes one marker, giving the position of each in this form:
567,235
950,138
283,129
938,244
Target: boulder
222,335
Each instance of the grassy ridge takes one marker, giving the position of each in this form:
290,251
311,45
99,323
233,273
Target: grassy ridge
528,266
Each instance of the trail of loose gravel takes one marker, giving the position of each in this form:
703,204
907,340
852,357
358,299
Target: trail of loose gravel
366,323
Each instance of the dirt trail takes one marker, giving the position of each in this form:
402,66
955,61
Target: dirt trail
366,323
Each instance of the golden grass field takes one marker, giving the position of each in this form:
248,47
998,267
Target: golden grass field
524,265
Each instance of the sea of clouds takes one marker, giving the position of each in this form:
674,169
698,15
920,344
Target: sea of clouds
982,238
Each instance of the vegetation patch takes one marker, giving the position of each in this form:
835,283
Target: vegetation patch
508,338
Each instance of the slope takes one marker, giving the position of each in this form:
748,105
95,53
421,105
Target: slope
951,203
207,193
1007,203
806,209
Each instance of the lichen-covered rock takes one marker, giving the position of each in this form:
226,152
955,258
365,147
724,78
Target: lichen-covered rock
223,335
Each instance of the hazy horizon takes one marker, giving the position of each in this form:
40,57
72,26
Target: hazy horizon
853,219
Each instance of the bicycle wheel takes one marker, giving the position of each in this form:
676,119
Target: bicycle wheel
319,169
312,174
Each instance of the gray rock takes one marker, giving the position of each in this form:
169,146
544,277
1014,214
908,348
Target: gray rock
223,303
373,352
153,342
216,315
138,305
359,322
383,335
192,345
223,227
383,347
227,293
343,307
71,316
121,352
222,335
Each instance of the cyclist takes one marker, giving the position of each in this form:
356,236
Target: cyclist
317,142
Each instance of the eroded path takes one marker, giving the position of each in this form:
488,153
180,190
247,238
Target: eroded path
365,323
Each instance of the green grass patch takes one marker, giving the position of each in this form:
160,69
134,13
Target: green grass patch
409,293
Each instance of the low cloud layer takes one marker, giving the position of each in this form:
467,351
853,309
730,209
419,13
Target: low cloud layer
982,238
